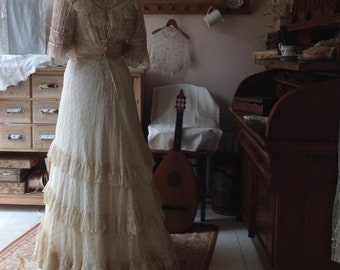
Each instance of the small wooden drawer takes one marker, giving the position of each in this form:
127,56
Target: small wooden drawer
45,111
15,111
15,136
257,155
43,135
13,175
13,188
47,86
21,90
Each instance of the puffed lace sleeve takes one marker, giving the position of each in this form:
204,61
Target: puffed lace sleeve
136,53
61,32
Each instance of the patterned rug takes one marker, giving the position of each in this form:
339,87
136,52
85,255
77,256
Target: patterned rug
194,249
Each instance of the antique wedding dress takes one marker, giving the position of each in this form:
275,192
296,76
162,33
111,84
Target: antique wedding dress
102,210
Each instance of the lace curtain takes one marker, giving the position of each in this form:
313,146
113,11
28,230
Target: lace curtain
22,36
3,28
336,215
22,40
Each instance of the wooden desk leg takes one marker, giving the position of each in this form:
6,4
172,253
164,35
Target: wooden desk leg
203,179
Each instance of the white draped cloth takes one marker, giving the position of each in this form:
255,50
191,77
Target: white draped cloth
17,68
200,131
336,215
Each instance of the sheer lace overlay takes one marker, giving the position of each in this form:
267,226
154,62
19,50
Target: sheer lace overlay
170,51
102,209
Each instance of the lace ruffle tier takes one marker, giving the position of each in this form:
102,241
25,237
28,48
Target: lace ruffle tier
98,173
120,221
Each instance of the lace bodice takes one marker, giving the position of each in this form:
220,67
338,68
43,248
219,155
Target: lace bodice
98,29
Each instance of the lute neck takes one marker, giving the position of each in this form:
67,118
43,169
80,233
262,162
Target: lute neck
178,132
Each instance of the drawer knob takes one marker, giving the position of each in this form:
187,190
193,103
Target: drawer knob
14,110
46,137
49,111
15,137
47,86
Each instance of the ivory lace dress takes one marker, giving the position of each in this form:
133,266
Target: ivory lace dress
103,211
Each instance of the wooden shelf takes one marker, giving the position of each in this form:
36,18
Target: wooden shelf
326,21
23,199
299,65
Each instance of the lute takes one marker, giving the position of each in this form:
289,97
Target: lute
176,182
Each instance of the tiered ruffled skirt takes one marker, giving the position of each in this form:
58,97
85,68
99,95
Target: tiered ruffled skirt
102,210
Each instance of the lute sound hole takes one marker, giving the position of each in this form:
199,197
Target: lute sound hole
174,179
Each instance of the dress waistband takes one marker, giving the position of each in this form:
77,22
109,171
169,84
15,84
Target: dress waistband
98,50
96,56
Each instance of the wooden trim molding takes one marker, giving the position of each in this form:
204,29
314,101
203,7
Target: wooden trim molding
192,7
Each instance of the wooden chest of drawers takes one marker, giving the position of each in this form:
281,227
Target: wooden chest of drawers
29,112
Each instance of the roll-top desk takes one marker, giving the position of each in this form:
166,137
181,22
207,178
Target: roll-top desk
290,162
28,116
289,174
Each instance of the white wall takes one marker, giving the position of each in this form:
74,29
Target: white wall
223,54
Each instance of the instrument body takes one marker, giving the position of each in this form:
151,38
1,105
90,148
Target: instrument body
176,181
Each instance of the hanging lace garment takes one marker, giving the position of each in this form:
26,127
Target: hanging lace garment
170,51
20,36
336,216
